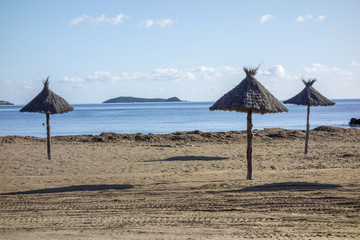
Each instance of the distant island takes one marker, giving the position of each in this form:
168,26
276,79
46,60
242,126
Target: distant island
2,102
135,99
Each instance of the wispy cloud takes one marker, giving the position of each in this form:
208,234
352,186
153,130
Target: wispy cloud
98,21
78,20
209,73
353,63
159,74
102,76
334,81
27,85
302,18
203,73
329,74
321,18
164,74
206,82
73,79
149,23
170,74
317,68
165,22
266,18
277,71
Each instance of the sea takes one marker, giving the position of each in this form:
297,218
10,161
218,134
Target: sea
155,118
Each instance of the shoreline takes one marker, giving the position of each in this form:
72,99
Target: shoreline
190,136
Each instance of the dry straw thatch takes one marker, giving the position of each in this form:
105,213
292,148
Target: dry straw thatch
47,102
309,97
249,96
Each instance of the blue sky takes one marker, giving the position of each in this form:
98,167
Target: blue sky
195,50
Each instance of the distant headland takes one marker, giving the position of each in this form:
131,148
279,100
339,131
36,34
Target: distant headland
136,99
2,102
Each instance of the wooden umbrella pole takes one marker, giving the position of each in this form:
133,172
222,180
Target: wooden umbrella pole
48,134
307,129
249,146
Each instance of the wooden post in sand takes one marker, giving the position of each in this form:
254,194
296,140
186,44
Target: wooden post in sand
47,102
249,146
307,129
250,96
48,134
309,97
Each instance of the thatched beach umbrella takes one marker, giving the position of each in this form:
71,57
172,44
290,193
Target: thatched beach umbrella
309,97
249,96
47,102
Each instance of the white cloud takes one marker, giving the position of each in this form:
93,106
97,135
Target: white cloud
277,71
27,85
332,75
266,18
209,73
320,18
302,18
209,83
165,22
166,74
317,68
72,79
334,81
136,76
231,70
78,20
119,19
103,76
171,74
159,74
353,63
98,21
149,23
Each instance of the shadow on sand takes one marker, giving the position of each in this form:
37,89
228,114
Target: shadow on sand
189,158
74,189
285,186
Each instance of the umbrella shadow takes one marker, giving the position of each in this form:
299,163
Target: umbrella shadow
286,186
76,188
189,158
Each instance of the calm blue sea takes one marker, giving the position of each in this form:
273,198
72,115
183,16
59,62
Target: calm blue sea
167,118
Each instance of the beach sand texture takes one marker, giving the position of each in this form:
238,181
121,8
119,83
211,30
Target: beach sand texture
186,185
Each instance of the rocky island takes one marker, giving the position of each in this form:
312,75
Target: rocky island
2,102
136,99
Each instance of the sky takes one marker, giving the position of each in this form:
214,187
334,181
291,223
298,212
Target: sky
95,50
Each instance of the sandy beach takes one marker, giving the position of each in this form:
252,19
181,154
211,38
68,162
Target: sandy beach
185,185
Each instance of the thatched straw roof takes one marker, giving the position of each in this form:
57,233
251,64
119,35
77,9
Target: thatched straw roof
47,102
309,96
250,94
